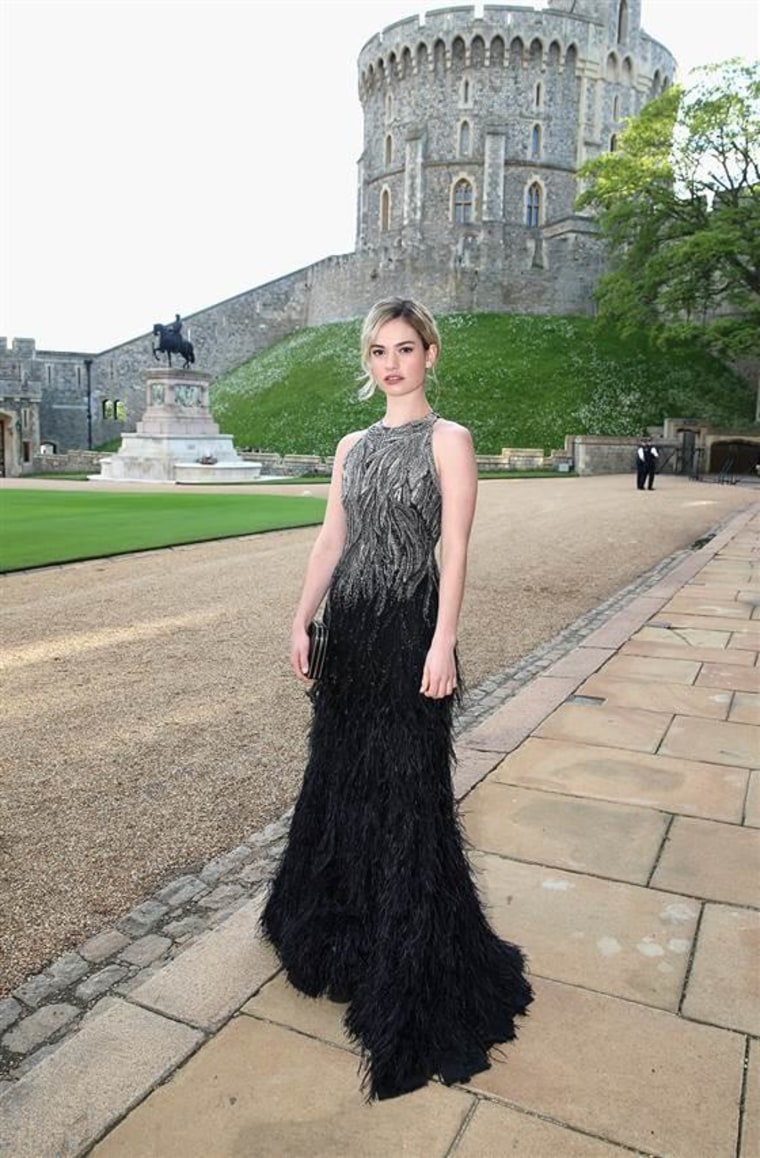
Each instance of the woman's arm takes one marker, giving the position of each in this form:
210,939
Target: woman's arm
458,474
322,562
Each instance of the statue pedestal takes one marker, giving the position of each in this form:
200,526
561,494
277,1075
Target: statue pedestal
177,440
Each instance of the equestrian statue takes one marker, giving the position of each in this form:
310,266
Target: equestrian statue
171,341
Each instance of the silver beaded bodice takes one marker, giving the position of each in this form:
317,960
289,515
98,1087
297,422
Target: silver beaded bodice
392,502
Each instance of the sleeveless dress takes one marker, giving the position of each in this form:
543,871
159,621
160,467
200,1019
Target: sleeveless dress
374,902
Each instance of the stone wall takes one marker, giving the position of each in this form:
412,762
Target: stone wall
73,462
598,454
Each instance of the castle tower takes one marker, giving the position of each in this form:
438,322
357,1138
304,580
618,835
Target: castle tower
474,129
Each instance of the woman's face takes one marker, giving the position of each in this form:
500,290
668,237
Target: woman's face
398,359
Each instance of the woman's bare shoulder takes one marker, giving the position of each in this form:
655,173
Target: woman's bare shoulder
451,434
349,440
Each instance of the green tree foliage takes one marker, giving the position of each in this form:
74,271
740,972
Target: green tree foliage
679,205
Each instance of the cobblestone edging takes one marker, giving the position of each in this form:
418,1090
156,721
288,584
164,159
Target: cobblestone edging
49,1006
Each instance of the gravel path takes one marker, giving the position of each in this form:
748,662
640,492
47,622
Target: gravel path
149,717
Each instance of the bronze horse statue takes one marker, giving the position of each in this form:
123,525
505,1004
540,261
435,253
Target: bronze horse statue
171,341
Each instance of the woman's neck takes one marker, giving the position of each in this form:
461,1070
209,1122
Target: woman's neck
399,411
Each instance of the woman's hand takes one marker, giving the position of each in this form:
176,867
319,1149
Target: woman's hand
439,675
299,652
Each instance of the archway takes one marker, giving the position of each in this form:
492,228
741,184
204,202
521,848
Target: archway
739,455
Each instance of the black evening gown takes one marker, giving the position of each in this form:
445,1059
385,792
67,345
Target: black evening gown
374,902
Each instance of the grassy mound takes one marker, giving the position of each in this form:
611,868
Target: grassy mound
513,380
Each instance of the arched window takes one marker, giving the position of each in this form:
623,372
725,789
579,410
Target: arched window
622,31
613,143
616,108
535,141
537,96
463,202
627,71
478,52
385,210
466,91
439,58
464,139
554,53
612,67
422,57
497,52
536,52
571,60
406,63
533,205
388,149
458,52
516,53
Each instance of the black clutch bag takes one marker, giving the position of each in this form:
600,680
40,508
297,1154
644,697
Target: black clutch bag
317,649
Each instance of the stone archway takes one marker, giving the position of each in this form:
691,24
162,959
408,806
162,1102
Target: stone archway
739,455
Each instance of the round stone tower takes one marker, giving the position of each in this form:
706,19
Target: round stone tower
474,130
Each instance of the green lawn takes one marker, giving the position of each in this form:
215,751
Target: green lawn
39,528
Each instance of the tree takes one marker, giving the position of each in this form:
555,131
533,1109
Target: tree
678,204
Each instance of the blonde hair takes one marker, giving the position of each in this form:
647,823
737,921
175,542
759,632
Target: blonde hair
387,310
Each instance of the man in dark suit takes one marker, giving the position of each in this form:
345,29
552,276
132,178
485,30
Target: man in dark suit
646,464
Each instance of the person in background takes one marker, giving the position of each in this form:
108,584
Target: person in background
646,464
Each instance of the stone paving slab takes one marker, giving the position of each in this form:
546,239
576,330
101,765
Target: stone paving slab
716,741
258,1089
627,728
740,678
653,669
624,1072
471,767
619,939
719,862
73,1096
711,703
700,593
745,708
279,1002
750,1146
495,1131
690,787
685,637
510,725
743,641
679,648
687,604
613,840
724,983
215,975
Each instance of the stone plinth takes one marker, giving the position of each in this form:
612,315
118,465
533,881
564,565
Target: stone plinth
177,439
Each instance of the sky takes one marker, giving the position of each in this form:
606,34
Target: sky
157,156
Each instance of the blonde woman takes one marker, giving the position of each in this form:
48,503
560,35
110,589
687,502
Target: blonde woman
373,903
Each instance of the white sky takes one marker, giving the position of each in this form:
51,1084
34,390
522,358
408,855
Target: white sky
157,156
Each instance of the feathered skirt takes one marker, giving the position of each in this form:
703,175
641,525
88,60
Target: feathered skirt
374,903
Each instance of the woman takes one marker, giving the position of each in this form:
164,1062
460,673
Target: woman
373,903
